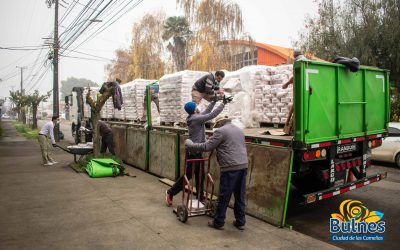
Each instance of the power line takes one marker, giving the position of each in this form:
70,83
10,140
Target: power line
109,23
8,78
74,51
83,58
22,48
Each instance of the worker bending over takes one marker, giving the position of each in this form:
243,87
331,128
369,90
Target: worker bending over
43,138
229,142
197,133
106,138
207,87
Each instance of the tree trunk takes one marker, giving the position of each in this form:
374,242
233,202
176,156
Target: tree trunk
96,107
34,118
96,137
19,115
23,115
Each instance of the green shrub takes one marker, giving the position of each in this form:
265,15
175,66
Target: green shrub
26,131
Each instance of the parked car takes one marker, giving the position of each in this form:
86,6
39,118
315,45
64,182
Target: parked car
390,149
5,116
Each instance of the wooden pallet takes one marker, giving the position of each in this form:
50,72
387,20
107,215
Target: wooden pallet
182,124
273,125
168,124
209,125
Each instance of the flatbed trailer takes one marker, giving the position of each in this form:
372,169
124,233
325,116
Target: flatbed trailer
339,117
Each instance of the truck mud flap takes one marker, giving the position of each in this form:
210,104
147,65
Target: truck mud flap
334,191
268,182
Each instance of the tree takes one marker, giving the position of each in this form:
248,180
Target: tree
120,67
95,107
34,101
67,85
147,47
366,29
214,21
20,100
177,28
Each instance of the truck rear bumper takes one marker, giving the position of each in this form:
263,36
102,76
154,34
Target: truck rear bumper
334,191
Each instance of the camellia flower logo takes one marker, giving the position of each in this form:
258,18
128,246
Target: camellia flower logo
350,209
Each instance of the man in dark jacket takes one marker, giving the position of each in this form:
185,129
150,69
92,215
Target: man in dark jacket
229,142
106,138
197,133
207,87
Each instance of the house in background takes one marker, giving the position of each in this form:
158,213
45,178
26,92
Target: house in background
254,53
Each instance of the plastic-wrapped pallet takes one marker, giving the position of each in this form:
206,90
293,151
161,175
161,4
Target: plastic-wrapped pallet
175,91
128,95
277,101
247,88
140,87
109,108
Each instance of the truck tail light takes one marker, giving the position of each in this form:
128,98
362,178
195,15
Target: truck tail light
314,154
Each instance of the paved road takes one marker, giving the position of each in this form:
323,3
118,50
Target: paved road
57,208
383,196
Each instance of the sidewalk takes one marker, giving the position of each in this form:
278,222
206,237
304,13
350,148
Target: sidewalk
54,207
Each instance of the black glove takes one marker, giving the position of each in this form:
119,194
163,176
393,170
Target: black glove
227,99
217,98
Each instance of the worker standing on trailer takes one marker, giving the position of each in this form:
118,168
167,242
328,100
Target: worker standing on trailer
207,87
197,133
229,142
298,55
154,90
43,138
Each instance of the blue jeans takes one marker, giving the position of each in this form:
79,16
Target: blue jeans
231,182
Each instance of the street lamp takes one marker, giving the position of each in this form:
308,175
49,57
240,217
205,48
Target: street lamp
86,20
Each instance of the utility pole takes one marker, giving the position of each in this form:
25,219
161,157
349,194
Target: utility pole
22,74
56,47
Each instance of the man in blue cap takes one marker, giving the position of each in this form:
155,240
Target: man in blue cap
197,133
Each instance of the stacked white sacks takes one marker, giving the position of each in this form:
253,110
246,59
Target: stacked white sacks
175,91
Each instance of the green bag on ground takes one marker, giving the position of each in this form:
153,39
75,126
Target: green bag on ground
103,167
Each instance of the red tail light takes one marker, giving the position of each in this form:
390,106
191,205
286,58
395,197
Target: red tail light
314,154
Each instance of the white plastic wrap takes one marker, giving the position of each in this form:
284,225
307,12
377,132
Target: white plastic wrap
263,85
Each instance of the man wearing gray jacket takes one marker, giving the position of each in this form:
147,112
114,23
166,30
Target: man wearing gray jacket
197,133
229,142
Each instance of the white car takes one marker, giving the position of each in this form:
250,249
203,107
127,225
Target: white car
390,149
5,116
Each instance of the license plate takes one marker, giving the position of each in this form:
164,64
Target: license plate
346,148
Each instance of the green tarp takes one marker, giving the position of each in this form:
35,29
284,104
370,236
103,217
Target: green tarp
103,167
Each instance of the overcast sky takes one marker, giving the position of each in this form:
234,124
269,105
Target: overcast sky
26,22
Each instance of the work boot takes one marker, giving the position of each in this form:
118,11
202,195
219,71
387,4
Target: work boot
212,224
168,198
240,227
